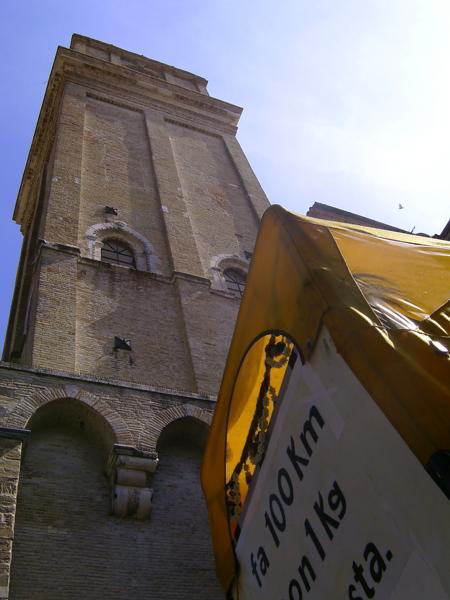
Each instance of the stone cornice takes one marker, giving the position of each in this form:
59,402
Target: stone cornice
126,54
117,81
99,70
41,146
66,248
21,435
43,245
18,435
182,395
98,264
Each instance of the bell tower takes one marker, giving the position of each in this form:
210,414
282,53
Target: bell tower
139,212
133,152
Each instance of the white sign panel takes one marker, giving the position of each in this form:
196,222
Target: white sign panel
341,509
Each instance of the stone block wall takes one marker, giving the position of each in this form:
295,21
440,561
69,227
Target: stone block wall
10,456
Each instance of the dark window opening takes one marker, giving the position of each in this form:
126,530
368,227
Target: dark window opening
235,282
118,254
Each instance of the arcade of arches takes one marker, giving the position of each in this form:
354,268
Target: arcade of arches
64,531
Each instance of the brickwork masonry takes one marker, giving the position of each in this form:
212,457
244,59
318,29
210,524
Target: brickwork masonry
71,418
112,367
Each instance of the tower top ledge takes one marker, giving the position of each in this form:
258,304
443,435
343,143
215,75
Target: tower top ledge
118,56
107,70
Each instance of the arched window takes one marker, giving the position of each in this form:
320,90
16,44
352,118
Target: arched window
235,282
118,253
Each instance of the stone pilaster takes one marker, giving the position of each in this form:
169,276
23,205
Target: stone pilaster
184,252
12,443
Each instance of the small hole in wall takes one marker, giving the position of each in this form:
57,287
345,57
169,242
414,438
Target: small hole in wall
121,344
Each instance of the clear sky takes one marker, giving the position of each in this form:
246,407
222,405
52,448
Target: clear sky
347,102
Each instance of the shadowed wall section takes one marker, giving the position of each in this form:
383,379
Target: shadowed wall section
179,507
67,544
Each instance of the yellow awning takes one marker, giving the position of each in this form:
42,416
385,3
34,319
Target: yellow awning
384,298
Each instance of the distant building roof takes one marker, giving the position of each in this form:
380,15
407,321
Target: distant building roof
445,235
330,213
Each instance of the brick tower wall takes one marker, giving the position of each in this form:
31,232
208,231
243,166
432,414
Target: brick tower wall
121,131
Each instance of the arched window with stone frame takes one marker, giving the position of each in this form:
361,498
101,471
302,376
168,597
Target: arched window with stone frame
115,242
117,252
229,274
235,282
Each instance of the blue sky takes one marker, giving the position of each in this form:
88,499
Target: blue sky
345,102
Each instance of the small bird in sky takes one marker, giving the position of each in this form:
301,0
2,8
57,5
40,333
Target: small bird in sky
400,206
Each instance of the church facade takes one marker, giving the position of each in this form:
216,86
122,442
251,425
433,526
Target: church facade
139,212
